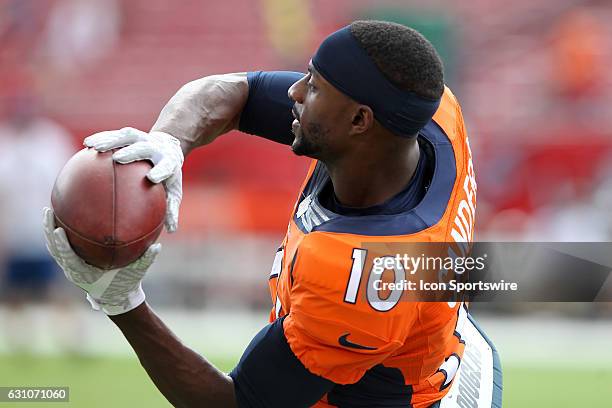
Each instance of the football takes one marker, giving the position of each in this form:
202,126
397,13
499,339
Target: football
111,212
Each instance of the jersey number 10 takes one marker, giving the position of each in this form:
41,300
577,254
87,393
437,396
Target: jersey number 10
376,302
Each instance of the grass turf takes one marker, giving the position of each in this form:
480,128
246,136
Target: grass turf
121,382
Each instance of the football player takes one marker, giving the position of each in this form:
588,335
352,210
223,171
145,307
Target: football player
391,164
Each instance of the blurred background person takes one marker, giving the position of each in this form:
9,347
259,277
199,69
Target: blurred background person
80,32
32,151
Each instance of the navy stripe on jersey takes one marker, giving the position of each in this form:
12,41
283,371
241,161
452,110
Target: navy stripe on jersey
380,387
269,375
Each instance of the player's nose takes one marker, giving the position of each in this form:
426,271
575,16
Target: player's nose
296,91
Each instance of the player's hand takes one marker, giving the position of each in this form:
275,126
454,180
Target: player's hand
162,149
114,291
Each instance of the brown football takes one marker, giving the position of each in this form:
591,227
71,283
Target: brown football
111,212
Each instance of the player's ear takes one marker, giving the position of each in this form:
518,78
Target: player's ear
362,120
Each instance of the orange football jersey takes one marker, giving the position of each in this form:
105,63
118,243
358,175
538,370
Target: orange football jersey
338,329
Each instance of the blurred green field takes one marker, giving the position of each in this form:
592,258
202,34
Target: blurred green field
121,382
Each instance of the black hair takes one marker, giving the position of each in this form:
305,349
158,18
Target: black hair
403,55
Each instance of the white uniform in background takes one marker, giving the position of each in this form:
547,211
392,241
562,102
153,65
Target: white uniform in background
30,159
31,156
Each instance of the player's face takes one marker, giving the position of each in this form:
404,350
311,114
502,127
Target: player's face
322,118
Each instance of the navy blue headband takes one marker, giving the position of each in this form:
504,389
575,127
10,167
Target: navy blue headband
343,63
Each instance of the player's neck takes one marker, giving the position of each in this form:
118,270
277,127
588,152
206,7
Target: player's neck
362,183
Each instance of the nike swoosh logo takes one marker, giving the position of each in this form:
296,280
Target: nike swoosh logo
344,342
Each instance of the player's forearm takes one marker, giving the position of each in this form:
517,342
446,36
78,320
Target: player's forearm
184,377
204,109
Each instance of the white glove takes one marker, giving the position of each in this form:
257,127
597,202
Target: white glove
162,149
114,291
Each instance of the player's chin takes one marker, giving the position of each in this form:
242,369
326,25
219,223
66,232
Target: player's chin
296,147
300,146
298,142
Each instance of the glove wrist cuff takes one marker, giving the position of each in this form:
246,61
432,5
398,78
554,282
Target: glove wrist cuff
132,301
